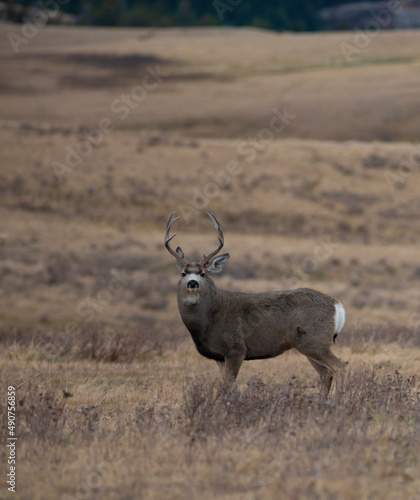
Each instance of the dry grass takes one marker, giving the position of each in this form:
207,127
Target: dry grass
92,429
113,400
109,214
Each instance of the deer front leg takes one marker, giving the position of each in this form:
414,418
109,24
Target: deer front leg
232,365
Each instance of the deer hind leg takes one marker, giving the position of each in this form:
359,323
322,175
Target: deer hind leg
221,365
326,377
332,364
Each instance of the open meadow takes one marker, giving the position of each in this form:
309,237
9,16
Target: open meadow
310,159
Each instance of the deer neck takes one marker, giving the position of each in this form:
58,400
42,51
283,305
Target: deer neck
196,307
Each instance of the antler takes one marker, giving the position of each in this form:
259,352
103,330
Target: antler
220,237
179,256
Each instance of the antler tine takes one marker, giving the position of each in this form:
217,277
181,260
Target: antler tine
220,237
169,224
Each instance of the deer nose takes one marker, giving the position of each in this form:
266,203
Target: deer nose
192,284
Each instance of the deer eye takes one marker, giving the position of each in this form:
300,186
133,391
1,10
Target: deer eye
202,274
183,273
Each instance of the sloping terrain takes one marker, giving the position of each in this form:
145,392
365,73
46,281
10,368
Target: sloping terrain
310,160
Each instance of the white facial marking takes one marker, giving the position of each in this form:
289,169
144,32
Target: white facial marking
194,276
193,296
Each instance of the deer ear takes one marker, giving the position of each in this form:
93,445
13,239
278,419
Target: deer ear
217,264
181,254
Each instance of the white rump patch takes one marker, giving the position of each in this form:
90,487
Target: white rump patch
340,317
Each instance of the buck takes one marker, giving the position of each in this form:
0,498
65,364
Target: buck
231,327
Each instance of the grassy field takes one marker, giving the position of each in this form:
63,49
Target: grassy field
309,159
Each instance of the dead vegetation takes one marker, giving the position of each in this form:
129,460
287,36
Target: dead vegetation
95,342
113,400
202,438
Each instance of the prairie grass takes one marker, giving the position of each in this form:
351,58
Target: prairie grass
97,428
113,402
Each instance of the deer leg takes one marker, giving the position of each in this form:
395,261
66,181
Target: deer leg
333,364
326,378
327,360
232,365
221,365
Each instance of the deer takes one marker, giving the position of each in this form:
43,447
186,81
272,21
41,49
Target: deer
232,327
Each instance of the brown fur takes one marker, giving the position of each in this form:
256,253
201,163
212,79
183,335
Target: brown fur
231,327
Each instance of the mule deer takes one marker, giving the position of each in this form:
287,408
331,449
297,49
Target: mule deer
231,327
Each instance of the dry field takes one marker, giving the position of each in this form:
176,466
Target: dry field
311,162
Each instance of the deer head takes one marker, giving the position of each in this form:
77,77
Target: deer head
194,275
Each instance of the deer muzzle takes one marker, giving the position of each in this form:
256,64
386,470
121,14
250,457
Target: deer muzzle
192,284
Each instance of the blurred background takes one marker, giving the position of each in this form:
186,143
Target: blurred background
296,123
300,15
